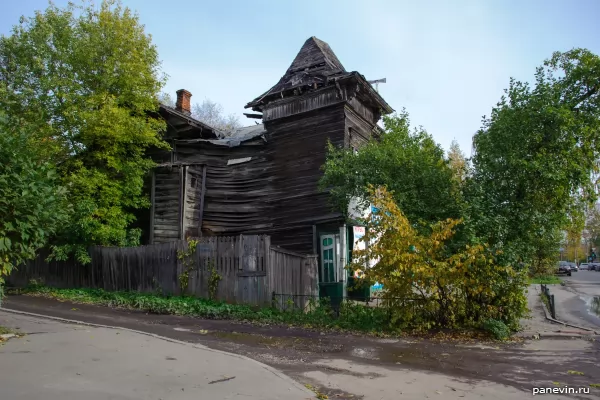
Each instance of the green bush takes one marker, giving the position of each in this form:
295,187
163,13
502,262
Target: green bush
498,329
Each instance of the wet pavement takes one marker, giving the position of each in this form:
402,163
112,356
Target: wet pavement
579,299
330,361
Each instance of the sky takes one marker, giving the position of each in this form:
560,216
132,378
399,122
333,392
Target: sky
446,62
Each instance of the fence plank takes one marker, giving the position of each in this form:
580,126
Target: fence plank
250,269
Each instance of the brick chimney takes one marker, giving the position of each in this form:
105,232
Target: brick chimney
183,101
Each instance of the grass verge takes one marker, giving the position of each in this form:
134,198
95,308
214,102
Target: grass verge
544,280
352,317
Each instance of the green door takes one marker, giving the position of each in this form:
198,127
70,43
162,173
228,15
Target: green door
328,258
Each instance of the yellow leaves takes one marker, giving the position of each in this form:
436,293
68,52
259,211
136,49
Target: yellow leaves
460,288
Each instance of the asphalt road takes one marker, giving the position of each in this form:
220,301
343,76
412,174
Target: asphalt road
340,365
584,303
57,361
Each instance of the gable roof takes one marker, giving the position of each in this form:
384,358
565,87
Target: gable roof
186,121
314,64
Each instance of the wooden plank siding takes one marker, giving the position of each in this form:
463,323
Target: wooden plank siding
273,191
298,147
250,269
166,207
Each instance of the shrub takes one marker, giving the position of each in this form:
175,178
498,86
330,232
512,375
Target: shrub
497,329
428,286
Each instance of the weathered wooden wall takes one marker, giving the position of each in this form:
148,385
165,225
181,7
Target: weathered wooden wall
295,274
166,212
236,198
298,147
249,267
274,190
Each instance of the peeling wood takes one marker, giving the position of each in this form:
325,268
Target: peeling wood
238,160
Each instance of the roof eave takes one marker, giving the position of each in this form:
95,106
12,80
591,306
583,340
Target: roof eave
385,107
189,119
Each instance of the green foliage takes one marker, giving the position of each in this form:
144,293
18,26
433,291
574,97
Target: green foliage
544,280
535,159
4,331
187,256
188,259
425,284
32,203
83,81
213,280
352,317
497,329
409,162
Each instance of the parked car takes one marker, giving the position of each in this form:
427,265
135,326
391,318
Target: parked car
584,266
564,268
573,266
593,266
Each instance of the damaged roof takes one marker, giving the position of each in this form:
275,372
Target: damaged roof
236,138
189,120
314,64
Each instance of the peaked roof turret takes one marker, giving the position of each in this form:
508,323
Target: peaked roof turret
314,64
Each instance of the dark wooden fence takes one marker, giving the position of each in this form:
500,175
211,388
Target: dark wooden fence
250,270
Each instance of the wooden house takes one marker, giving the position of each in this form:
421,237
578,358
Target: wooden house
263,179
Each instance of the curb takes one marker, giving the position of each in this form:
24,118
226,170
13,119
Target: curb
556,321
272,370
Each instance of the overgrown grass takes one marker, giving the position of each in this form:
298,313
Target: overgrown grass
352,317
544,280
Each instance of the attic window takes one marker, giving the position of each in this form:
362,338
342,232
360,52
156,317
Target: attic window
238,160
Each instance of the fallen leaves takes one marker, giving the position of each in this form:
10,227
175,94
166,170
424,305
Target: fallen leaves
571,372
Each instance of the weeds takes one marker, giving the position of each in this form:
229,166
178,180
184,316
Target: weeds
544,280
319,314
4,331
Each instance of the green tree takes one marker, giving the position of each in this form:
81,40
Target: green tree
32,202
535,157
458,163
86,80
409,162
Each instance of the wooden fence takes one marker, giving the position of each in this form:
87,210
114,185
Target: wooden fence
249,267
